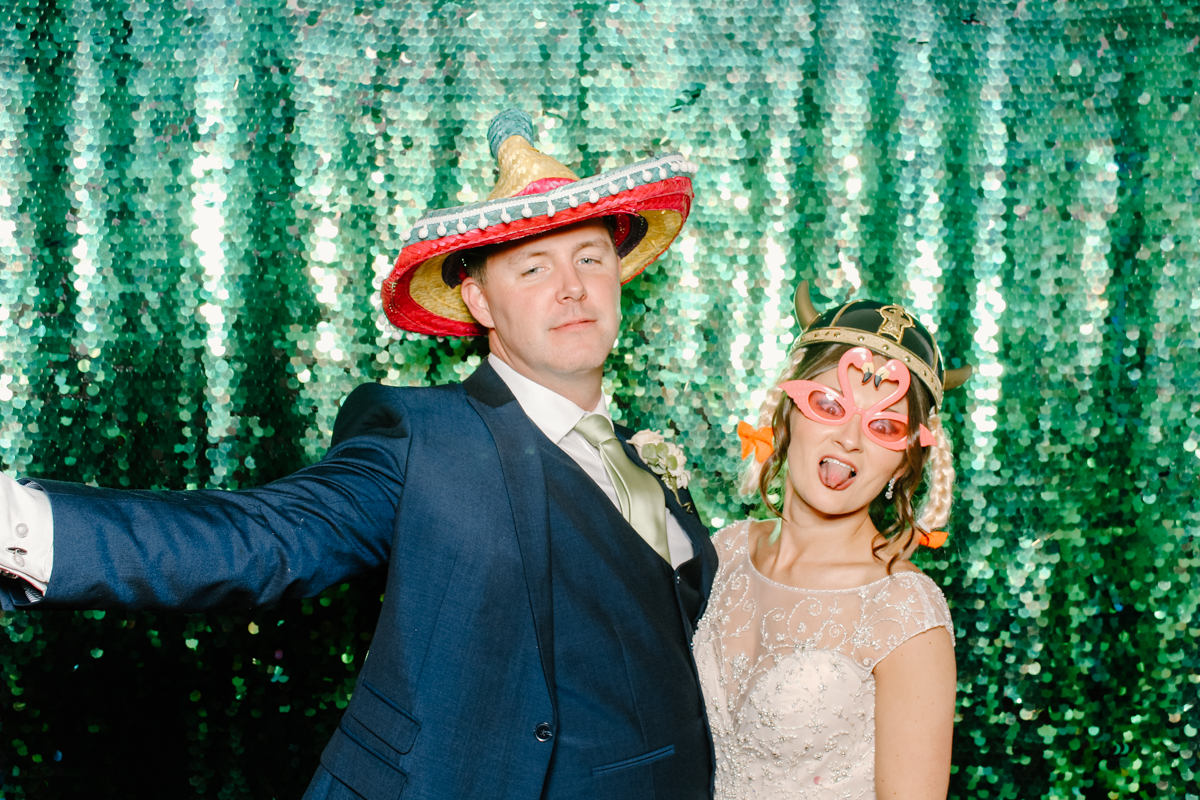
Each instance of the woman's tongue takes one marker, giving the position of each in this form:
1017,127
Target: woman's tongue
834,474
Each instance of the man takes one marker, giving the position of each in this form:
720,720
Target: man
542,585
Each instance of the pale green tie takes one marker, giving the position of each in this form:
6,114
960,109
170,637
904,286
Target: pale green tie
639,494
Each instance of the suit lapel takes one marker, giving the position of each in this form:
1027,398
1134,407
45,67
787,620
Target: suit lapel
703,568
521,462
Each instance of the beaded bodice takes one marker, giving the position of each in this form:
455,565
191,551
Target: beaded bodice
787,675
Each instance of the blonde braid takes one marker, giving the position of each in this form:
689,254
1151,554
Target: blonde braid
766,413
935,511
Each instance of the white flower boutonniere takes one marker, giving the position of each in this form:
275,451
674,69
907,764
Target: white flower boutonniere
663,458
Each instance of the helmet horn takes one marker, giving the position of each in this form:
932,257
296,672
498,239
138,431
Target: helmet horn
805,312
956,377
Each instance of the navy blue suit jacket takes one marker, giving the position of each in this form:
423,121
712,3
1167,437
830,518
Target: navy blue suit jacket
458,695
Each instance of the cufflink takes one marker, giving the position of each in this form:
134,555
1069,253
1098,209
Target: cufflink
19,563
26,540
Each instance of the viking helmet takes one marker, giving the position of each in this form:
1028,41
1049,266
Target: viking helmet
885,328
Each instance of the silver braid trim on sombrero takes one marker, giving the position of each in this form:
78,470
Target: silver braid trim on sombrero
488,214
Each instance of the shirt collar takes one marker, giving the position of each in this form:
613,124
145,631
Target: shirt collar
555,415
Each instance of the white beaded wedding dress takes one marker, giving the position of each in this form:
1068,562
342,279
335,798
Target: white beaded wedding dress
787,675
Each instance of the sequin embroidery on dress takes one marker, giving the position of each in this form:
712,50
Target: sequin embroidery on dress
787,675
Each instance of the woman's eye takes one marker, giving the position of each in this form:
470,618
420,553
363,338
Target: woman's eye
889,428
828,404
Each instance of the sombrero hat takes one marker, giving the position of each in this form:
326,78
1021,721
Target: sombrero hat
647,202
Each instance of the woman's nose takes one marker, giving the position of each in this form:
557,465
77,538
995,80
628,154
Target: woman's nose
849,433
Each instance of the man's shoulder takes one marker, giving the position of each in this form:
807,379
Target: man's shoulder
393,410
373,393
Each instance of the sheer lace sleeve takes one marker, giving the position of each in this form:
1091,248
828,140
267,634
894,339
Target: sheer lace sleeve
729,541
896,610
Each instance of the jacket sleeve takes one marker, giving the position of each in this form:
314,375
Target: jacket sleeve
194,550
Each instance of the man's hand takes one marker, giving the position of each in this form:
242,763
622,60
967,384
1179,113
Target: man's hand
26,533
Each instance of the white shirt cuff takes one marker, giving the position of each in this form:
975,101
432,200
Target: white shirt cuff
26,534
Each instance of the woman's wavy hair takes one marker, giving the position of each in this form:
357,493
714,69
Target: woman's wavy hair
897,519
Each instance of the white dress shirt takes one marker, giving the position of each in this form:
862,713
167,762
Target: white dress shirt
556,416
26,534
27,523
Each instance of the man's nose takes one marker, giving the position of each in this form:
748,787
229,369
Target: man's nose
570,285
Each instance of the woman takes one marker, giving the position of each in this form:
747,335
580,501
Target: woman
826,657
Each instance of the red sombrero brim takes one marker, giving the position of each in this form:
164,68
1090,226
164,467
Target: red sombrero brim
416,297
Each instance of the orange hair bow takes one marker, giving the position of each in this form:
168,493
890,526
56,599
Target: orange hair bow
927,439
761,441
934,539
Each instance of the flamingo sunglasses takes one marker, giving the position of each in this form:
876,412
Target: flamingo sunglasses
823,404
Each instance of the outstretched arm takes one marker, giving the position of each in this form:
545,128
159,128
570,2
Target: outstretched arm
914,718
200,549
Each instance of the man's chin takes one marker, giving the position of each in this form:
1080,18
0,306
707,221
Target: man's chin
578,366
582,342
577,360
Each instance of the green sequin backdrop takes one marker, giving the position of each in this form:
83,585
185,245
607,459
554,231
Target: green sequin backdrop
198,201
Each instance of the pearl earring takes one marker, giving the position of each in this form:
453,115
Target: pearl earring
891,487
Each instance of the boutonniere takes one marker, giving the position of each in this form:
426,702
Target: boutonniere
663,458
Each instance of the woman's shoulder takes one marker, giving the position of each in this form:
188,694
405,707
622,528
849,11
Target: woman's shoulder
734,537
912,600
893,610
910,574
731,535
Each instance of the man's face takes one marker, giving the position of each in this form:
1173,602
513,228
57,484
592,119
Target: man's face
552,304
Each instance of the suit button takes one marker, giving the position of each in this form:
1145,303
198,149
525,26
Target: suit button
543,732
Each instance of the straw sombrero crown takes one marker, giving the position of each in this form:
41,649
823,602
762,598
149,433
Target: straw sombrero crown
647,201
